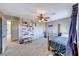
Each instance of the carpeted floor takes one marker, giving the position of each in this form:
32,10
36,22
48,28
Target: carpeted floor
36,48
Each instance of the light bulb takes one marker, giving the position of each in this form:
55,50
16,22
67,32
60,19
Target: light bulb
42,19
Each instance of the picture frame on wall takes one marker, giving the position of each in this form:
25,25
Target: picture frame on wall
50,25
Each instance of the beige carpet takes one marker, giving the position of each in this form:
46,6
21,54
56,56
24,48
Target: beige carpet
36,48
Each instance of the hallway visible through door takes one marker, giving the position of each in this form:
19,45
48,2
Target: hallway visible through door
8,32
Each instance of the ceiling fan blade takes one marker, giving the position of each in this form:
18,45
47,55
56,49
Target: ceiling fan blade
47,17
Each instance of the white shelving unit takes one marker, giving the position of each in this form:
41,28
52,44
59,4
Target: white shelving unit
26,32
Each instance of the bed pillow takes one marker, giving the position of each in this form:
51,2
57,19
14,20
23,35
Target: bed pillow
64,35
59,34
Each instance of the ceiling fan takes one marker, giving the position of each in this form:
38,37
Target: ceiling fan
42,18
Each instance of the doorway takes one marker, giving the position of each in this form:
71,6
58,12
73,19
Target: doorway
8,32
58,28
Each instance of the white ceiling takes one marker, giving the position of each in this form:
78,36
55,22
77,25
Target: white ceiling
28,11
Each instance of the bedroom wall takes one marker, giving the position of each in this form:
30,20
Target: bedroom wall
64,25
39,30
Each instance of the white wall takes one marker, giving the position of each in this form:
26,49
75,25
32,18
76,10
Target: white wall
64,25
39,30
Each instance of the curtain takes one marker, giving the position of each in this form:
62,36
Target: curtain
72,32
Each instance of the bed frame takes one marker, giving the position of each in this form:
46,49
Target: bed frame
49,43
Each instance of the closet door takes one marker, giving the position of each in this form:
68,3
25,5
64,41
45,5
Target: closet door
4,34
0,35
58,28
14,30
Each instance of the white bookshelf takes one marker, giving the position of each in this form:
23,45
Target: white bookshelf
26,32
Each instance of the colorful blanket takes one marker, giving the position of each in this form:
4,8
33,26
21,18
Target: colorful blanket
59,43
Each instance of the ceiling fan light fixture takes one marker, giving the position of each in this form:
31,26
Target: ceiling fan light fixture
42,19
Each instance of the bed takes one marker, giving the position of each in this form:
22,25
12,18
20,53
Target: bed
59,43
